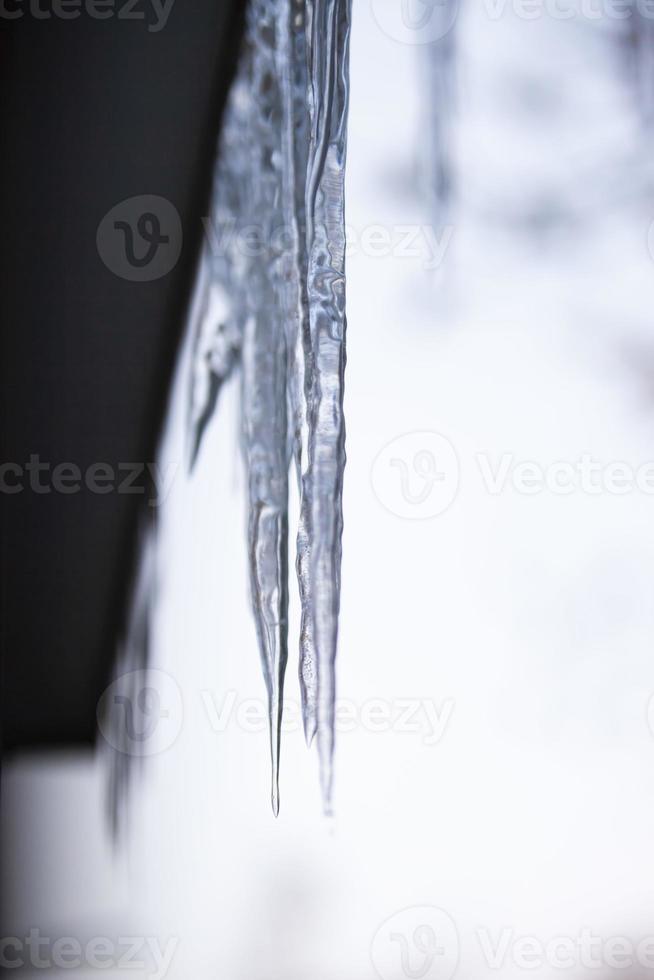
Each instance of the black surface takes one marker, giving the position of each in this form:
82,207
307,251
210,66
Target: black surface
91,112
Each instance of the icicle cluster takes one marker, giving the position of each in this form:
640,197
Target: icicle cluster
276,255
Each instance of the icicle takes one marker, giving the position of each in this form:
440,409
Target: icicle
321,518
265,364
247,195
281,168
131,660
438,69
293,71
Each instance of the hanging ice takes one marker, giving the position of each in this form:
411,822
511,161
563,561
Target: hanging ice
280,175
130,683
437,65
323,355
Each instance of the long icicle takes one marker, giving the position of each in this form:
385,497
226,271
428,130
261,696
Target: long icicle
265,368
321,515
293,71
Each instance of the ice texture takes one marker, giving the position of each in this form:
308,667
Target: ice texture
275,253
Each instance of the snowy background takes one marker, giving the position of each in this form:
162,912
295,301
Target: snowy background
495,763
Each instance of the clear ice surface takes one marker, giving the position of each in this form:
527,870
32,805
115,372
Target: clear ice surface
275,251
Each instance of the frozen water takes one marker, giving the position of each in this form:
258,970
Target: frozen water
281,173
